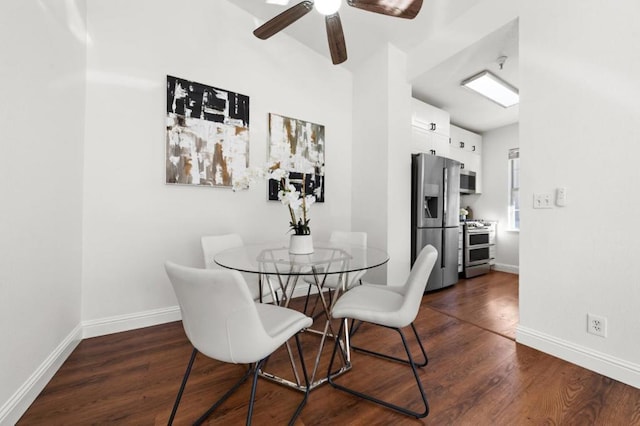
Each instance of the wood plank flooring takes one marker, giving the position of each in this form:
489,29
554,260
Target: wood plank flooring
475,376
488,301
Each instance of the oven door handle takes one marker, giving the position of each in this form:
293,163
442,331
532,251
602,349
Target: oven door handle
479,231
478,246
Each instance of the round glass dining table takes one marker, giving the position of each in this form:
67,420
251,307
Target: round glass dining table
274,264
275,259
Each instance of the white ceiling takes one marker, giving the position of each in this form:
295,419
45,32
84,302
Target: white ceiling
367,32
441,87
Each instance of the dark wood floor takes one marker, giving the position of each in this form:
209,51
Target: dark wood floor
475,376
488,301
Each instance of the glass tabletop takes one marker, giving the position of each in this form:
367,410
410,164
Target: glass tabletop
327,258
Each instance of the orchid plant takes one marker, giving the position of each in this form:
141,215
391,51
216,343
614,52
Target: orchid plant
297,202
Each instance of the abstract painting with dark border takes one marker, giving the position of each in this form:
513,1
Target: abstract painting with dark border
302,140
207,134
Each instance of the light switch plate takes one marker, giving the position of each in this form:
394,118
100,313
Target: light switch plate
561,197
542,201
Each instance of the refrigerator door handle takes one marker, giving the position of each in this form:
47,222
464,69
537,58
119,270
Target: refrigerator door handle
445,185
444,249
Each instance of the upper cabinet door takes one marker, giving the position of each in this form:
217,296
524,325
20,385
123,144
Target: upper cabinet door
429,118
430,129
429,142
463,140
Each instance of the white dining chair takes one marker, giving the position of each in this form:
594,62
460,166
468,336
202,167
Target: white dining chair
223,322
393,307
213,244
332,282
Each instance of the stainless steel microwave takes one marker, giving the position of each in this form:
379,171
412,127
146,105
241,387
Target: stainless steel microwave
467,181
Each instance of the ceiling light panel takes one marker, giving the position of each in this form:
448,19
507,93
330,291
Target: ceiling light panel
493,88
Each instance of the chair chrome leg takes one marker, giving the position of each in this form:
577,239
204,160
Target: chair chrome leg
224,397
184,382
254,385
390,357
335,349
256,371
389,405
306,380
424,353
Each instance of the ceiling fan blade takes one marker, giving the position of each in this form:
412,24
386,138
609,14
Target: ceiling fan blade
283,20
335,35
407,9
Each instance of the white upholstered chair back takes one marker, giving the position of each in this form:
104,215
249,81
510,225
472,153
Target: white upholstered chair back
213,244
413,288
358,239
218,314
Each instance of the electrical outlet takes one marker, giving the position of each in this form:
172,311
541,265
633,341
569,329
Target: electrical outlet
597,325
542,201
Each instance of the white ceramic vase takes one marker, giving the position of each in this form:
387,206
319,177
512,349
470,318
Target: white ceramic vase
301,244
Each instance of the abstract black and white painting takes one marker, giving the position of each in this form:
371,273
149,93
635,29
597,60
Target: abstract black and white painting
207,134
300,144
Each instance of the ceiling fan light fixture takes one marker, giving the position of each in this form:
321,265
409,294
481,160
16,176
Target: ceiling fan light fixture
407,9
327,7
493,88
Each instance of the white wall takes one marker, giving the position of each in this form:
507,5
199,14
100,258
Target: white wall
382,160
133,222
399,157
42,122
493,203
370,129
579,128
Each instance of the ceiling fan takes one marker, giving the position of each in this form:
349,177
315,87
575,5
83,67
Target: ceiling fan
407,9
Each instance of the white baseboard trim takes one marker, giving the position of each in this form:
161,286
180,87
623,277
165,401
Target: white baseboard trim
117,324
503,267
20,401
607,365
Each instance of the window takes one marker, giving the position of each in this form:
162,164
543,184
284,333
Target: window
514,189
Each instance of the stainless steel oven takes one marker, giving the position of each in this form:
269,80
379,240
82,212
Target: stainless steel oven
477,251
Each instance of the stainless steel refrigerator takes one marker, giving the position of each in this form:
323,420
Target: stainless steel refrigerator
435,210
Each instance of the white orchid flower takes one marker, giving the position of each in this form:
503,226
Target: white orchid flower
288,195
295,204
280,165
309,200
278,174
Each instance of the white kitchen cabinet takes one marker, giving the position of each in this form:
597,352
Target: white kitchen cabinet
429,142
466,147
430,129
431,132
